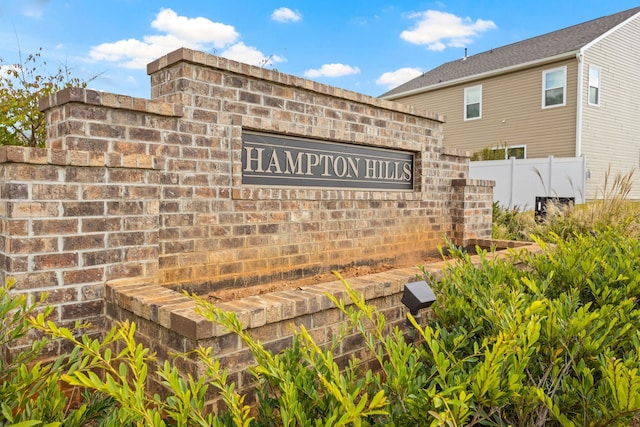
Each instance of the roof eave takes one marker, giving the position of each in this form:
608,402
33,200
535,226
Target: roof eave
486,74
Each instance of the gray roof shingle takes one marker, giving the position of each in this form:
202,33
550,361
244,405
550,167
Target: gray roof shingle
548,45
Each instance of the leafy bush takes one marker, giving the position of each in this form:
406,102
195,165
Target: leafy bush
21,87
552,344
30,392
551,341
123,377
510,223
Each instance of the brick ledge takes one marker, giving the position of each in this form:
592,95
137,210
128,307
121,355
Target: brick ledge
176,311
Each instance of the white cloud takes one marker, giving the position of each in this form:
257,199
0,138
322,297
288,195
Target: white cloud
179,31
195,30
438,30
250,55
133,53
284,14
332,70
392,79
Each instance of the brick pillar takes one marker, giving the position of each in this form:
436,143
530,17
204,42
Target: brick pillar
471,210
72,220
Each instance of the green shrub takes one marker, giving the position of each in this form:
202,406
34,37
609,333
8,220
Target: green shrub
543,343
123,376
555,343
510,223
30,392
548,339
304,385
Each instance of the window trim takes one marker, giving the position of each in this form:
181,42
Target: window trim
466,104
545,89
598,86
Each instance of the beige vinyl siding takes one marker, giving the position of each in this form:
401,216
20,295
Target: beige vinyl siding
611,131
512,113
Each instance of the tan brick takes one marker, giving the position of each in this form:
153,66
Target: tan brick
15,264
88,275
100,192
125,208
141,253
126,175
15,191
33,209
108,256
14,227
26,281
94,225
85,175
188,323
57,295
55,261
165,310
143,134
15,154
55,191
83,208
31,245
84,310
83,242
177,274
126,239
106,130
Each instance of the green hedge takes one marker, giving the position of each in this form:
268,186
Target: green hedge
550,341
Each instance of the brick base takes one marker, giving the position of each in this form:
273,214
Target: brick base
168,323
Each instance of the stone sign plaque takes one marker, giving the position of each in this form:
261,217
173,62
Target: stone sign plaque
275,160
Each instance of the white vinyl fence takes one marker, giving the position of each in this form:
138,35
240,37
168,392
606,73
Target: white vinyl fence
520,181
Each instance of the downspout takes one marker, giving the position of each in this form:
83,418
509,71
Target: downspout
578,151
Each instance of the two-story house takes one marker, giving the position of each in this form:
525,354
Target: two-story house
571,92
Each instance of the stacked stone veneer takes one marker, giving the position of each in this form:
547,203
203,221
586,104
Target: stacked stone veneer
147,195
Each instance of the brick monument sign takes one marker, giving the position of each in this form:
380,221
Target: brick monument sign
229,176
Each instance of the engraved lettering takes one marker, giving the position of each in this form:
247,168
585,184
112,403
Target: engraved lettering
250,160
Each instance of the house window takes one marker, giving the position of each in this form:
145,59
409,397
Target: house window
554,86
594,85
517,151
473,102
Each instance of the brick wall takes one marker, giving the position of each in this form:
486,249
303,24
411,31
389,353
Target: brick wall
73,220
167,321
152,190
275,233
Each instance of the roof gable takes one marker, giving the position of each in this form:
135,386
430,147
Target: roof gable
564,41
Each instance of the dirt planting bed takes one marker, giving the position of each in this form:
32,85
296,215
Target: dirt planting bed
346,273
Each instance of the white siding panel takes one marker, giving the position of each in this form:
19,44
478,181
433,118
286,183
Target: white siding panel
611,131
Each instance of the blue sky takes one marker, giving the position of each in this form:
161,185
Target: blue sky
365,46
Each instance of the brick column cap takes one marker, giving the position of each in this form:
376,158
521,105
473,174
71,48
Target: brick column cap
106,99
